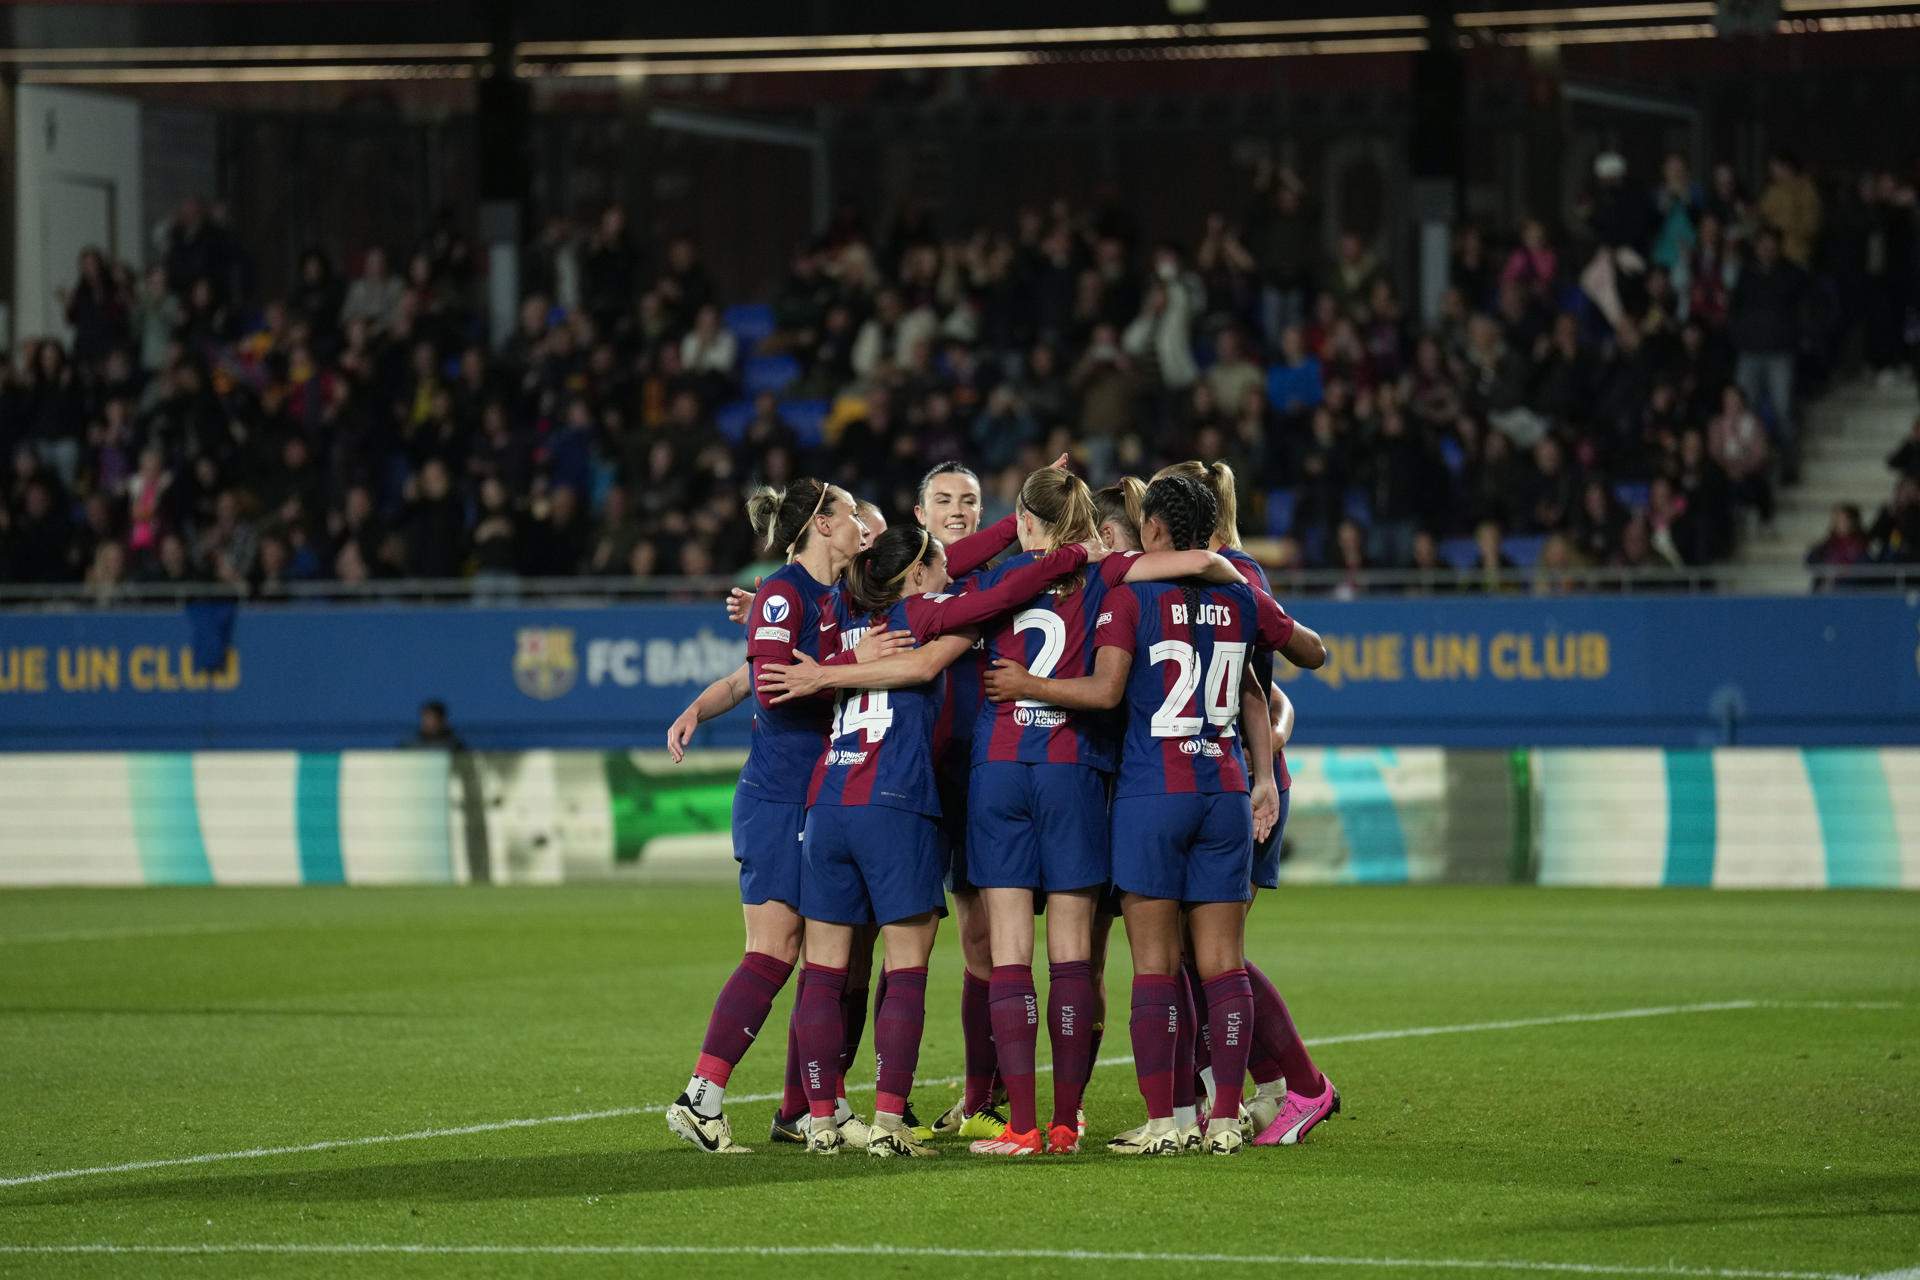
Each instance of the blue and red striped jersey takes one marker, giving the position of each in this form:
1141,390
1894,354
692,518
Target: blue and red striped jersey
953,734
1051,636
1183,691
880,748
784,619
882,743
1261,665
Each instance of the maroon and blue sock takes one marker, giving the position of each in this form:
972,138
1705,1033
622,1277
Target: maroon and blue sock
822,1027
1230,1006
738,1014
853,1005
1016,1033
793,1101
1099,1027
976,1034
1155,1026
1202,1029
1070,1026
1184,1072
1278,1049
896,1037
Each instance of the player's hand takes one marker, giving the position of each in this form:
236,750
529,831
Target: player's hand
878,644
801,679
739,603
1266,808
680,733
1008,681
1097,550
1060,463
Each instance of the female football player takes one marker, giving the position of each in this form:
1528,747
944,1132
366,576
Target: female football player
1183,821
873,849
1037,818
814,523
1291,1095
948,506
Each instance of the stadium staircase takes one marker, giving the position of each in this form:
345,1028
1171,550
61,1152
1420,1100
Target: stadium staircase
1853,429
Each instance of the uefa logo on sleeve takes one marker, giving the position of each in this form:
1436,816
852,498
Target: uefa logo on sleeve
775,609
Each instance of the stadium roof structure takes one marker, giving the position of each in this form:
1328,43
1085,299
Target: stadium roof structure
156,43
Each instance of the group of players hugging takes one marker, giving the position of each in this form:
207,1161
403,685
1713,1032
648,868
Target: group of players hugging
1090,728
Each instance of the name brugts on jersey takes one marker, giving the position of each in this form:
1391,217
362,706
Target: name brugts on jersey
851,638
1209,615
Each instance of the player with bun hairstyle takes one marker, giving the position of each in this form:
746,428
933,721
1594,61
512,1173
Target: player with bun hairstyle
949,505
1117,509
872,849
814,524
1037,820
1185,813
1291,1094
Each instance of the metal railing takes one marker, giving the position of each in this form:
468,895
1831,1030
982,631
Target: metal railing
1738,580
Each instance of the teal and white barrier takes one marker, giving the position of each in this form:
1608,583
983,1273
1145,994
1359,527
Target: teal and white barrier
1732,818
1830,817
218,817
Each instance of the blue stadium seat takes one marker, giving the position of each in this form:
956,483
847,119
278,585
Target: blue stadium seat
1631,494
1358,509
751,323
1280,505
1459,552
769,373
1524,551
1452,454
808,418
732,419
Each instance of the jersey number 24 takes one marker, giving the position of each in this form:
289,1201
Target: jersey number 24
1221,705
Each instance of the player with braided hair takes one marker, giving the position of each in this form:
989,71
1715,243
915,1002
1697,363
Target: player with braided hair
1291,1094
1185,812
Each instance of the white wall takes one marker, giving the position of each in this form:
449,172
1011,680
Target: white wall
78,184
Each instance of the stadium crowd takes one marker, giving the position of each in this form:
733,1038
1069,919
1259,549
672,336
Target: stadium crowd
1621,392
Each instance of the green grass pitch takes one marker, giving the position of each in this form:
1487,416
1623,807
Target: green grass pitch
1775,1131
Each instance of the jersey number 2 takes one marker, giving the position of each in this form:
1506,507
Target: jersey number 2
1053,643
1221,706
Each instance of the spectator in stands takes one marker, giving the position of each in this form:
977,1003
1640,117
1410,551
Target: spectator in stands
1597,526
1739,445
1281,232
1492,567
1396,470
1232,374
1533,265
1844,546
1906,458
1766,328
1790,207
1160,338
1895,534
375,295
1355,269
1554,573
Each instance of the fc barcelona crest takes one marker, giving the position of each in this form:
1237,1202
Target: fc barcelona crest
544,666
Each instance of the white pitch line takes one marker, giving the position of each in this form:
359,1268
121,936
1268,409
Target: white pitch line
614,1113
937,1251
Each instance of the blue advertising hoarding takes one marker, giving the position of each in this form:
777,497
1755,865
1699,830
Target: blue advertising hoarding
1680,672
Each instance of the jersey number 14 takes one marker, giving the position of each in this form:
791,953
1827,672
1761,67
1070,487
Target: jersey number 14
1221,705
863,711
